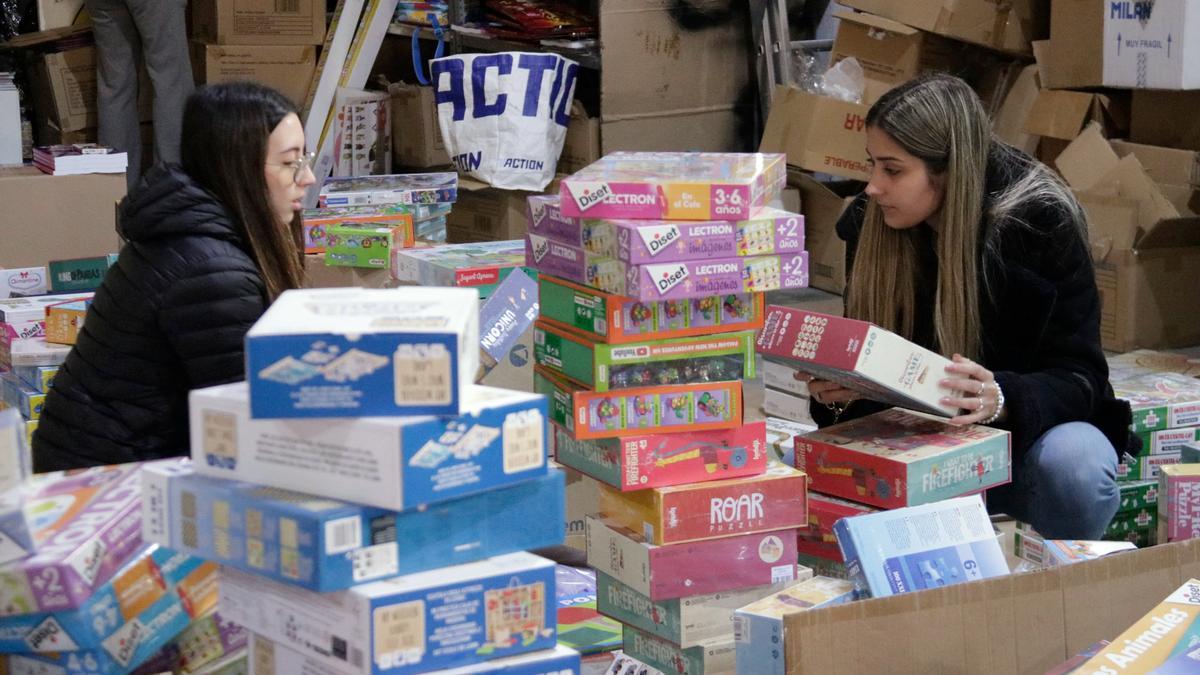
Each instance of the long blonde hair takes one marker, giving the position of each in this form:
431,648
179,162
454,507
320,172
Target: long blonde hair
940,120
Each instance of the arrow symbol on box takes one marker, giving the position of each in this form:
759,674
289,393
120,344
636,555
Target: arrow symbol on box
1168,45
1118,44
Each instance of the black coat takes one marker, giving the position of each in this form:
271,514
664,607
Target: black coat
169,317
1041,324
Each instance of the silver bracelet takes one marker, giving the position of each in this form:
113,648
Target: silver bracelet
999,405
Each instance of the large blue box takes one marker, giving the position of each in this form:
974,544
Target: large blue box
327,545
394,463
918,547
445,618
350,352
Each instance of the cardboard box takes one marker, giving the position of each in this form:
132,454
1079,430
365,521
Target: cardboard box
326,545
416,135
889,52
23,282
1145,46
583,500
817,133
1165,118
484,213
445,618
858,355
673,185
287,68
687,621
61,13
63,88
823,206
480,265
1061,115
899,458
1165,166
259,22
1007,27
1010,117
1179,509
355,352
74,215
710,657
319,275
683,407
581,146
618,319
759,627
1144,248
918,547
1155,635
774,500
686,360
643,461
667,572
394,463
818,539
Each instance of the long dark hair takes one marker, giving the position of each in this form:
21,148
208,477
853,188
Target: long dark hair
224,148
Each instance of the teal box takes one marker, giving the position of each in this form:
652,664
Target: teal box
79,274
713,657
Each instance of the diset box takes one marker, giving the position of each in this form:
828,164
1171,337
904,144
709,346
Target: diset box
368,246
774,500
919,547
602,367
643,461
680,570
587,414
818,539
900,458
85,526
856,354
445,618
271,659
205,647
681,280
758,628
768,231
79,274
1161,400
327,545
480,265
154,596
395,463
686,621
1156,636
617,319
415,188
715,656
354,352
25,318
317,222
674,185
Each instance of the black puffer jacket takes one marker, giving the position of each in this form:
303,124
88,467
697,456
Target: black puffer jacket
170,316
1041,329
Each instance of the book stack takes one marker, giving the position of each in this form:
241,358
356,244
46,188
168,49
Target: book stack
71,160
369,505
652,268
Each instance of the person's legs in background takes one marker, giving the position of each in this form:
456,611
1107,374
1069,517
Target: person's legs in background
117,52
163,28
1065,486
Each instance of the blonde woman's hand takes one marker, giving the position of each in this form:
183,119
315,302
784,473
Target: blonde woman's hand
974,392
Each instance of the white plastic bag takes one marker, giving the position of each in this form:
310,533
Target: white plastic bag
504,116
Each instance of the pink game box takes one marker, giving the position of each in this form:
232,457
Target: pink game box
674,185
818,538
85,526
679,570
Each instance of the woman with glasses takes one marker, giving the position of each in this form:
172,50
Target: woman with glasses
209,243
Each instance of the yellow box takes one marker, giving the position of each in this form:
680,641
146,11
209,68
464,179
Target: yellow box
64,321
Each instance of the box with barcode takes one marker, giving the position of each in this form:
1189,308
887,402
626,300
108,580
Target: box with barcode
445,618
1161,400
617,319
408,188
353,352
714,656
644,461
818,539
1152,639
143,606
824,567
479,265
679,570
688,360
918,547
393,463
774,500
15,353
587,414
902,458
77,549
856,354
1145,467
270,658
328,545
686,621
1168,441
20,396
37,377
758,628
259,22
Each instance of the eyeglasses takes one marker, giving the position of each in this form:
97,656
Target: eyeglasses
297,166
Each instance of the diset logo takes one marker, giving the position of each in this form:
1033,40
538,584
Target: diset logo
587,195
541,247
657,238
667,277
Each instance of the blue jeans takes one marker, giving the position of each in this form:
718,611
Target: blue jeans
1065,485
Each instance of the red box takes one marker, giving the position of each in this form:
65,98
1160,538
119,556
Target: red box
823,511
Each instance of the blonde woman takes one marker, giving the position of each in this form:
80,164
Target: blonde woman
974,250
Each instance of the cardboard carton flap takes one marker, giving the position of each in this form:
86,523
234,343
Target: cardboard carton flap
1087,159
872,21
1009,121
1171,233
1111,223
1059,113
1132,182
46,36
